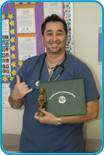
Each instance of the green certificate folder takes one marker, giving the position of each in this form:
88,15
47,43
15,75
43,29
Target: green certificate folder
65,97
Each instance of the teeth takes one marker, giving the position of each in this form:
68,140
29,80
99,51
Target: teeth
54,44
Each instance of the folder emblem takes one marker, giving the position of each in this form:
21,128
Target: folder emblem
62,99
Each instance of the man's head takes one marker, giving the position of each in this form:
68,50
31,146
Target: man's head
54,34
53,18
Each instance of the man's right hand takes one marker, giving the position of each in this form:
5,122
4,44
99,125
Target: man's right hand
20,89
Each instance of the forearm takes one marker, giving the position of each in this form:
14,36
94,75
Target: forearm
49,118
78,119
92,113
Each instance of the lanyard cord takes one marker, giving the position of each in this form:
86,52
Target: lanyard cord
41,69
62,70
57,77
61,65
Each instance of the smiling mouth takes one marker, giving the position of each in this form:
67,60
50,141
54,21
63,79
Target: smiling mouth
54,45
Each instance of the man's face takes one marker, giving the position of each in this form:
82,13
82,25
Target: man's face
54,37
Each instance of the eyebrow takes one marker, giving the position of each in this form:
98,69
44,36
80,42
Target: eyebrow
60,30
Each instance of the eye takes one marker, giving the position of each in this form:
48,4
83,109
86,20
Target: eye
49,34
59,33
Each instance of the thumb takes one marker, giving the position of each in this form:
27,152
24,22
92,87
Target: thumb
43,111
18,78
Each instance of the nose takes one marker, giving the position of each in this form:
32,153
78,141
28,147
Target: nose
54,37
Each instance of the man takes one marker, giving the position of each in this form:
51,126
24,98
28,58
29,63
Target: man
43,134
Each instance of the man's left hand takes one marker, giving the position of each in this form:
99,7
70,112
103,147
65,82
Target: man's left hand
48,117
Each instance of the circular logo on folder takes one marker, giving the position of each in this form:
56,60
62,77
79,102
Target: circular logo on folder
37,83
62,99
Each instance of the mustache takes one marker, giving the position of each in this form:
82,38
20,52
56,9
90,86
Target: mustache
54,42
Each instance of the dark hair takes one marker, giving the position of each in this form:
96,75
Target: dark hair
53,18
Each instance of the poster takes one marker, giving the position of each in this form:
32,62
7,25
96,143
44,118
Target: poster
6,61
25,20
53,8
26,47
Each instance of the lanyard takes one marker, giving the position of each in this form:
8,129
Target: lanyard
61,66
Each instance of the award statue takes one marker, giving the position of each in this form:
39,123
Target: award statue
41,102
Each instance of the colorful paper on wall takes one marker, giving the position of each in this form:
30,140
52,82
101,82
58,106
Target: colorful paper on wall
6,61
26,47
26,20
53,8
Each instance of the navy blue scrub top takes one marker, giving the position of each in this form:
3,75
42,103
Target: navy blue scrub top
41,138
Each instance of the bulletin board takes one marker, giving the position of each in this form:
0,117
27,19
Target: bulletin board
21,35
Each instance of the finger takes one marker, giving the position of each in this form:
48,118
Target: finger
36,115
18,78
23,84
26,90
43,111
25,87
29,90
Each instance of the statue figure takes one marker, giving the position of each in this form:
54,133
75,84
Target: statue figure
41,102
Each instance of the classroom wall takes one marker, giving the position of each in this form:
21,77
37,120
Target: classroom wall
87,19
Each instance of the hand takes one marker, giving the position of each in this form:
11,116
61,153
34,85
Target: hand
48,117
20,89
